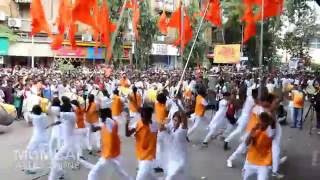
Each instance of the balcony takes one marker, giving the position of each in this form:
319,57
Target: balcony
22,1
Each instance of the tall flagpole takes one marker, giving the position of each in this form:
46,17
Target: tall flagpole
182,30
32,55
261,49
192,47
115,34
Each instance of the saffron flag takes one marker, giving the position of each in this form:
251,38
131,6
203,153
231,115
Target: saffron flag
185,34
82,12
271,8
214,13
38,20
250,29
162,23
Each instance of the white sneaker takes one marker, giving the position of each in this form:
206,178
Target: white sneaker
283,159
278,175
229,163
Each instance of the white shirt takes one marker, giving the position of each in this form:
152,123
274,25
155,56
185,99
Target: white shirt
248,105
105,102
68,120
270,87
39,122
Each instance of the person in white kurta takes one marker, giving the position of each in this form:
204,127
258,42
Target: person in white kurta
39,141
69,148
175,144
219,120
55,139
244,117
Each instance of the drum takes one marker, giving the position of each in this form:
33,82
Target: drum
8,114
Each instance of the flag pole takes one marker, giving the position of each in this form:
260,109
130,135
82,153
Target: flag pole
261,49
182,30
114,35
192,47
32,55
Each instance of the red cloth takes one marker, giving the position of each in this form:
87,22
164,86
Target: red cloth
82,12
271,8
214,13
185,34
162,23
38,20
250,28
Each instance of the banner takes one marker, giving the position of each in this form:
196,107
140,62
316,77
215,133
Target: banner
227,54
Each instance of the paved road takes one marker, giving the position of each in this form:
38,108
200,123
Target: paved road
303,153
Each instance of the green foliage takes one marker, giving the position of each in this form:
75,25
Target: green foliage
147,32
302,19
5,31
114,8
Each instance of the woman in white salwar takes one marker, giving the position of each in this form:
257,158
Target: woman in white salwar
39,141
219,120
175,143
69,148
55,139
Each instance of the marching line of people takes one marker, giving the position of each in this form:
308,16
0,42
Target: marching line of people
158,118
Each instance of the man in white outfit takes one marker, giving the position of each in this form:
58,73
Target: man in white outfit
243,119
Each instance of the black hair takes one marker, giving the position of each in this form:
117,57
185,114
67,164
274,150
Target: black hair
91,98
116,92
265,117
255,93
105,113
146,114
36,110
161,98
66,105
56,102
75,102
201,92
105,93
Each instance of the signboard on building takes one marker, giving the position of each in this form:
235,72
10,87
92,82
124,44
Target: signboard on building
227,54
4,46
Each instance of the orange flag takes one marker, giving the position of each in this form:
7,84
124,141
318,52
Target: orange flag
162,23
38,20
136,19
106,28
250,29
214,13
57,41
271,8
72,33
82,12
175,22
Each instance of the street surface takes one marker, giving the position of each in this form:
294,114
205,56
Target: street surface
303,153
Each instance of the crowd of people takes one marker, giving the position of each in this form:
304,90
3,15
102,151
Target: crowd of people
93,110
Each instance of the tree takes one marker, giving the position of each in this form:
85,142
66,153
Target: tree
147,31
301,19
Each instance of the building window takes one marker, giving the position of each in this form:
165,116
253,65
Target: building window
315,43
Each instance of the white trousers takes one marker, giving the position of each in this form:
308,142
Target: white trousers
197,122
58,163
145,171
177,171
93,138
26,116
102,165
262,172
242,122
240,149
215,125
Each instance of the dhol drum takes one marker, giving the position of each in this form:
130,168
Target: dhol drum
8,114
